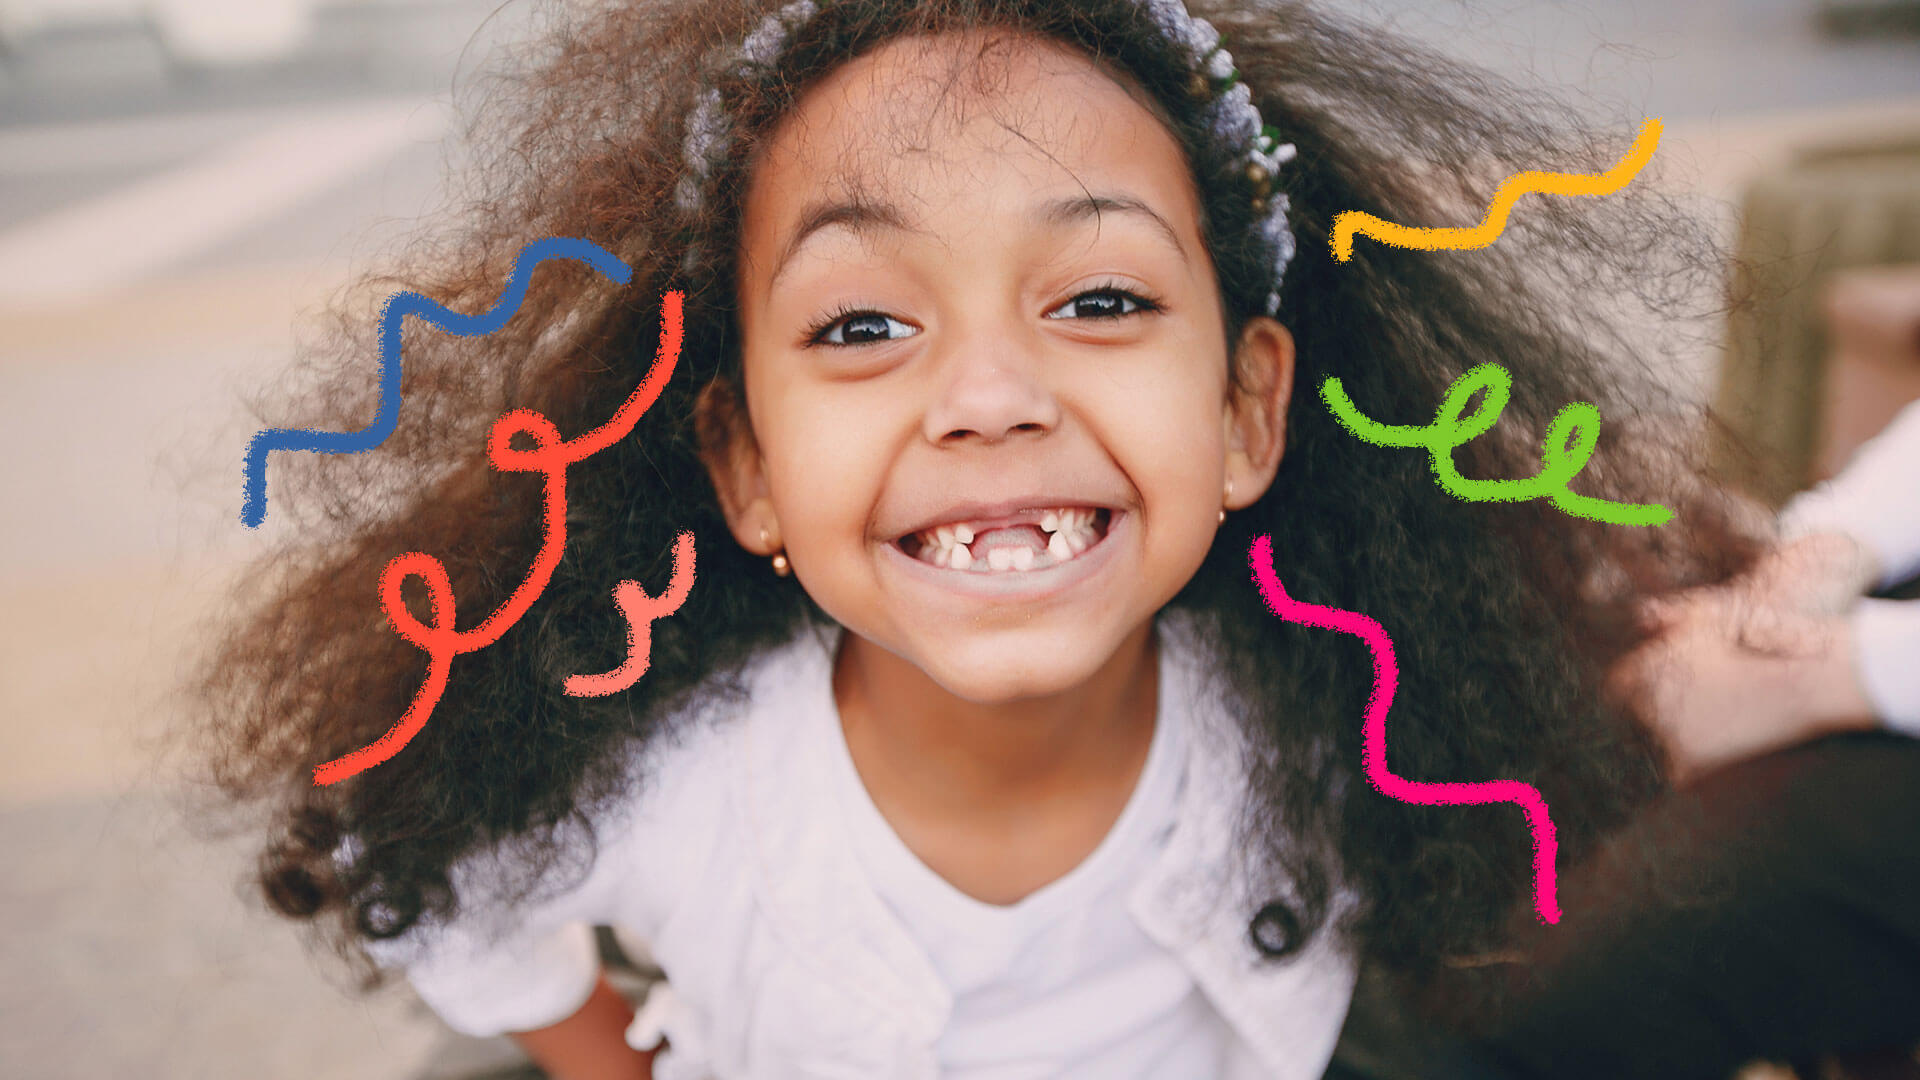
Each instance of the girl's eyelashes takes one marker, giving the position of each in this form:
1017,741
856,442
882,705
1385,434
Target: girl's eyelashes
1114,301
849,326
855,326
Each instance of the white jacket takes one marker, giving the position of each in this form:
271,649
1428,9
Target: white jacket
782,961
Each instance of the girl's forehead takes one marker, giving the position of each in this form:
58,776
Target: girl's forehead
923,122
951,75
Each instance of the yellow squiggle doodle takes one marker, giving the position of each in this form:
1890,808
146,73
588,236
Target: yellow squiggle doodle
1348,222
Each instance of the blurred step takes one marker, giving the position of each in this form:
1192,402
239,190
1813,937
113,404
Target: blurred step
133,64
1870,20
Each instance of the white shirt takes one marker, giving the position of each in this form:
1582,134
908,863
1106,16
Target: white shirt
1063,983
1876,500
786,958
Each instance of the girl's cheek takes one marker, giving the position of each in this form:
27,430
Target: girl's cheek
1173,426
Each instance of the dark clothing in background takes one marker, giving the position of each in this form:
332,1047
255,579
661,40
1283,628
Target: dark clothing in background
1800,937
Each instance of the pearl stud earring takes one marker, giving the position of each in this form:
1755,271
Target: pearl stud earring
780,565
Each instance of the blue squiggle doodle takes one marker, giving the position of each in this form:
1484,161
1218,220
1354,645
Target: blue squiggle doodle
253,509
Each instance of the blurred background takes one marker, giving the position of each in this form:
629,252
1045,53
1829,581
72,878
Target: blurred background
183,181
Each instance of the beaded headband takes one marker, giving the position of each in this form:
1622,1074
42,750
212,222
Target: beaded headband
1231,118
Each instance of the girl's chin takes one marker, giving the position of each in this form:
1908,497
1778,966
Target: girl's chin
1001,667
992,675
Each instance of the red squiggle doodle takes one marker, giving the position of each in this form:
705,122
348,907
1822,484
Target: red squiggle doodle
550,456
641,610
1386,678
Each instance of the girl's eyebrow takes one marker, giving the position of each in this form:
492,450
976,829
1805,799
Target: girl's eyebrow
1076,208
863,215
857,214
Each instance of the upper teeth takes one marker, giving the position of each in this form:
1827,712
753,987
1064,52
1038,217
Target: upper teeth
1070,532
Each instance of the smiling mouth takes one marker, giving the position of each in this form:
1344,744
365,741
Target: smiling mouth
1059,536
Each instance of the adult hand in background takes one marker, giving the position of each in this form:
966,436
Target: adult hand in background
1758,664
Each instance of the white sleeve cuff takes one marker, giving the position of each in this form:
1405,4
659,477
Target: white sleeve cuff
519,985
1875,499
1886,637
484,978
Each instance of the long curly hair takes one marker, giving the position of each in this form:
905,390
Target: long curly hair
1505,616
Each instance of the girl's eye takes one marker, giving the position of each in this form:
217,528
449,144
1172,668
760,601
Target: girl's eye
851,327
1103,303
858,328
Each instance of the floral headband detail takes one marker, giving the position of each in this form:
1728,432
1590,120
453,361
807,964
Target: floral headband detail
1232,119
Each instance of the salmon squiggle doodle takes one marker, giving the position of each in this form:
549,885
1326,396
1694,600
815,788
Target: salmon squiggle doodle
1386,679
640,611
1348,222
550,457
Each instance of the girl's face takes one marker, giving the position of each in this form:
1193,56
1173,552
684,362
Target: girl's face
974,298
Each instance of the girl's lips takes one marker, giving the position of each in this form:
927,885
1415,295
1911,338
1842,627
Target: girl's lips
1017,584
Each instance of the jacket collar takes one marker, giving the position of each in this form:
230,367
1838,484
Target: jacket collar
1198,901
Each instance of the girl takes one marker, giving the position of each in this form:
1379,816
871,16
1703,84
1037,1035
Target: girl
974,751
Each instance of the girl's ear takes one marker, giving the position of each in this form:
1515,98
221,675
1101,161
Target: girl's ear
732,457
1256,411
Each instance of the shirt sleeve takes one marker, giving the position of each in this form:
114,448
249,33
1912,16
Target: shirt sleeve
1875,499
1886,637
494,970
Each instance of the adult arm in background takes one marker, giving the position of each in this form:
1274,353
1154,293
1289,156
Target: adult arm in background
1791,652
1765,910
1875,502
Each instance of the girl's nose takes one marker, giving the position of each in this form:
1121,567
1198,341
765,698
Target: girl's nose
993,388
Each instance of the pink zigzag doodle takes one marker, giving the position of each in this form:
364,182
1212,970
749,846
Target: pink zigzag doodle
1386,678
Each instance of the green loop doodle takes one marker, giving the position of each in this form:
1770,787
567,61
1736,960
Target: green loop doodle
1568,444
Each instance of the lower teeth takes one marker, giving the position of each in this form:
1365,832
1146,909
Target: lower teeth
1043,559
982,564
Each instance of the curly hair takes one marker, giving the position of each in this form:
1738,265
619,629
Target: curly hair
1506,616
